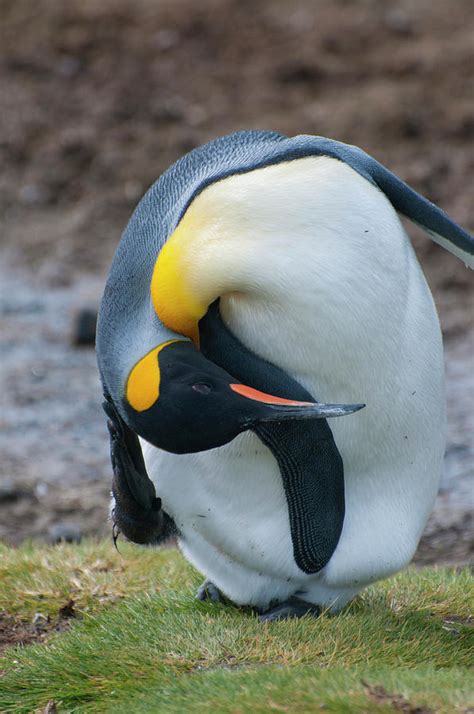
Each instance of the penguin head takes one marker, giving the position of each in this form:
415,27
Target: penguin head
197,405
192,240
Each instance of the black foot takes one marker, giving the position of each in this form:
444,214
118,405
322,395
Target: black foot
137,512
208,592
291,608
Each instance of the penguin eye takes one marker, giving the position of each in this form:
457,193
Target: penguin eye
202,388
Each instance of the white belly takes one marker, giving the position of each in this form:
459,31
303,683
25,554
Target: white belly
346,311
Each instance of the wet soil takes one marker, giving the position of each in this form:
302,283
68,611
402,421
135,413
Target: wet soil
99,97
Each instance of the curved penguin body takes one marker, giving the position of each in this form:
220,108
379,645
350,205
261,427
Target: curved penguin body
348,314
315,275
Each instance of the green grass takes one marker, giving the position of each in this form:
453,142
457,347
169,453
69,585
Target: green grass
143,644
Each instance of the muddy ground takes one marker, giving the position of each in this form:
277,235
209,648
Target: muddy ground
98,97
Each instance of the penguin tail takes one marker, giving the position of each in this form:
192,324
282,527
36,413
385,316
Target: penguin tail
429,217
425,214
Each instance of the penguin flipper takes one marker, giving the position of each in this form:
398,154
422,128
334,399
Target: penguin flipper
432,219
310,464
137,512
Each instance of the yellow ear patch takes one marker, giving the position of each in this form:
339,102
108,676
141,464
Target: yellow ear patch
143,383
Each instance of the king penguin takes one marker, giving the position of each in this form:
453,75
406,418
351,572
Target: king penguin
264,286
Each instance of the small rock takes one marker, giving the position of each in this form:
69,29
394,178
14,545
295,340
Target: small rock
9,491
41,490
83,333
65,533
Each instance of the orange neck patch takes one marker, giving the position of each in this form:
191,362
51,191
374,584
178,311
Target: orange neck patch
181,287
143,384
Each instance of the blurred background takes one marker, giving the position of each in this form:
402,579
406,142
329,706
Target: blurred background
98,97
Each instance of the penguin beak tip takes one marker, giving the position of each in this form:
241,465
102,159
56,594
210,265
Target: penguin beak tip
316,410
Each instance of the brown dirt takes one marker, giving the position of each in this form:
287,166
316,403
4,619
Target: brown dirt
397,702
99,97
15,632
18,633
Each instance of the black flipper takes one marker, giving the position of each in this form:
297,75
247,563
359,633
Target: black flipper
310,464
137,512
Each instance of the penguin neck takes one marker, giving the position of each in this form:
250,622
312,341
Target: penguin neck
243,237
296,253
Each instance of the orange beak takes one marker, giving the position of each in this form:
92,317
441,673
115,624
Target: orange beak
259,396
280,408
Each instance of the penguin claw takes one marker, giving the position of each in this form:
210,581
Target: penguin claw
208,592
290,609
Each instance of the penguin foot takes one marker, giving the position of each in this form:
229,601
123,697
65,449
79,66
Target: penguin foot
291,608
136,512
208,592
